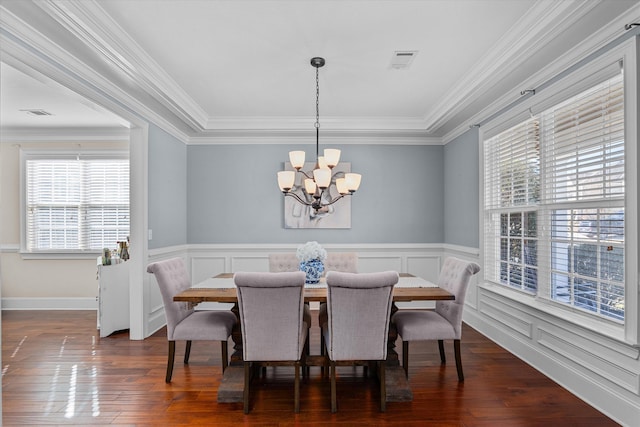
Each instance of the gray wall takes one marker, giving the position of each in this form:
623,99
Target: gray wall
167,184
233,196
461,190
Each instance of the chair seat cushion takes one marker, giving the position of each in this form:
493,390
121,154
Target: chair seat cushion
205,325
414,325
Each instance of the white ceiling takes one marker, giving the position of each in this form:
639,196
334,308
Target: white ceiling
24,92
225,65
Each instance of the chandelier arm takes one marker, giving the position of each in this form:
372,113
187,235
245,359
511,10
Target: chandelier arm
298,198
305,174
335,200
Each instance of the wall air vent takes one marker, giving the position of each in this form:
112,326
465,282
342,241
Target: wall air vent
37,112
402,59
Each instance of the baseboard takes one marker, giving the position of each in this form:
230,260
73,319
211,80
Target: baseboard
17,303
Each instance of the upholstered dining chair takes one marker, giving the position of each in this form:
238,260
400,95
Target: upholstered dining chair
183,322
358,311
288,262
445,323
274,331
345,262
282,262
336,261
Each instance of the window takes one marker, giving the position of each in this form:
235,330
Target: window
554,202
75,203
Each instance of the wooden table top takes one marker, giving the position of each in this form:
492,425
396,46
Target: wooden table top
228,295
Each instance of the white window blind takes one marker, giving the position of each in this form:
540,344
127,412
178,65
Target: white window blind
512,191
583,199
513,166
583,141
74,203
554,202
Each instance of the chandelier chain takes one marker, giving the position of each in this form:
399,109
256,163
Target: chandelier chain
317,100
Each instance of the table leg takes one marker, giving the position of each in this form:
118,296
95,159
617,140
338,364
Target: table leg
398,388
232,385
236,337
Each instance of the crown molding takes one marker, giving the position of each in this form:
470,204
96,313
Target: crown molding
87,21
327,123
307,137
530,33
595,41
69,134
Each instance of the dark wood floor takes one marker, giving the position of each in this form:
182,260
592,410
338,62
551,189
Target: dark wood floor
57,371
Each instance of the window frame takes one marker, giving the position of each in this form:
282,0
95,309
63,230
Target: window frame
578,81
62,153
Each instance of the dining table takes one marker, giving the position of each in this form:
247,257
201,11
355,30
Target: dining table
221,289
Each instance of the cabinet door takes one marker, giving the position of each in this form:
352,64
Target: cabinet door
113,301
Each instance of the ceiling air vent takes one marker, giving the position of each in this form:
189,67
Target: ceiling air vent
37,112
402,59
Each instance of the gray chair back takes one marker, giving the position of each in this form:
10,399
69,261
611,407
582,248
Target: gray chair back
281,262
454,277
346,262
271,315
336,261
359,306
172,278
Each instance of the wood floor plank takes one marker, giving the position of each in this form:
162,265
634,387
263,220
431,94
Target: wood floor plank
58,371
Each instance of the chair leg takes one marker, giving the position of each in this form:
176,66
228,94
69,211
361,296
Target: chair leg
306,370
456,347
405,358
187,352
322,353
383,386
172,354
245,395
296,389
443,359
225,355
334,405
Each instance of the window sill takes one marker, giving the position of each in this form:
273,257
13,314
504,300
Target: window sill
603,327
59,255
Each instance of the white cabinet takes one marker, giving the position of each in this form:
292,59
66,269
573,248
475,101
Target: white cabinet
113,298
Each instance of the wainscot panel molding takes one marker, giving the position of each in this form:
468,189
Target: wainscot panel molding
420,259
591,356
602,371
510,318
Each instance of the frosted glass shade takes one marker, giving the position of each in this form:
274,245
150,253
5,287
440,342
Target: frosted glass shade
353,181
286,180
322,163
310,186
296,158
341,185
331,156
322,177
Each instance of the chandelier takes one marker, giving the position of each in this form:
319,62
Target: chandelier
322,187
